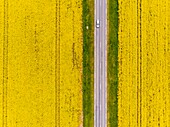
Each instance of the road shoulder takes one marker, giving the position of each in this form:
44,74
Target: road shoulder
88,63
112,66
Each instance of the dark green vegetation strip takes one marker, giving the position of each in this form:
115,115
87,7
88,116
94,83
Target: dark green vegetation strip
88,63
112,63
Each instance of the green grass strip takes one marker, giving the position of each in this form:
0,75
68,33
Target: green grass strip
112,63
88,63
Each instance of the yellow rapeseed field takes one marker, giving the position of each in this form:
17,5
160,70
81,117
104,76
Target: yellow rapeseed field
40,63
69,63
144,63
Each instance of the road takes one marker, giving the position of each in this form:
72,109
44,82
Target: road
100,65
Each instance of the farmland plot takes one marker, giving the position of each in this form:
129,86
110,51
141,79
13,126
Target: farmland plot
40,63
144,63
69,63
27,63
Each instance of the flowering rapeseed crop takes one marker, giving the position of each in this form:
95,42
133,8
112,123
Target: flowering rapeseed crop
40,63
69,63
144,63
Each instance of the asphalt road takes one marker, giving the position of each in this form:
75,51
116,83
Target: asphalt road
100,65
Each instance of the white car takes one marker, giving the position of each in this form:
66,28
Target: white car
97,23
